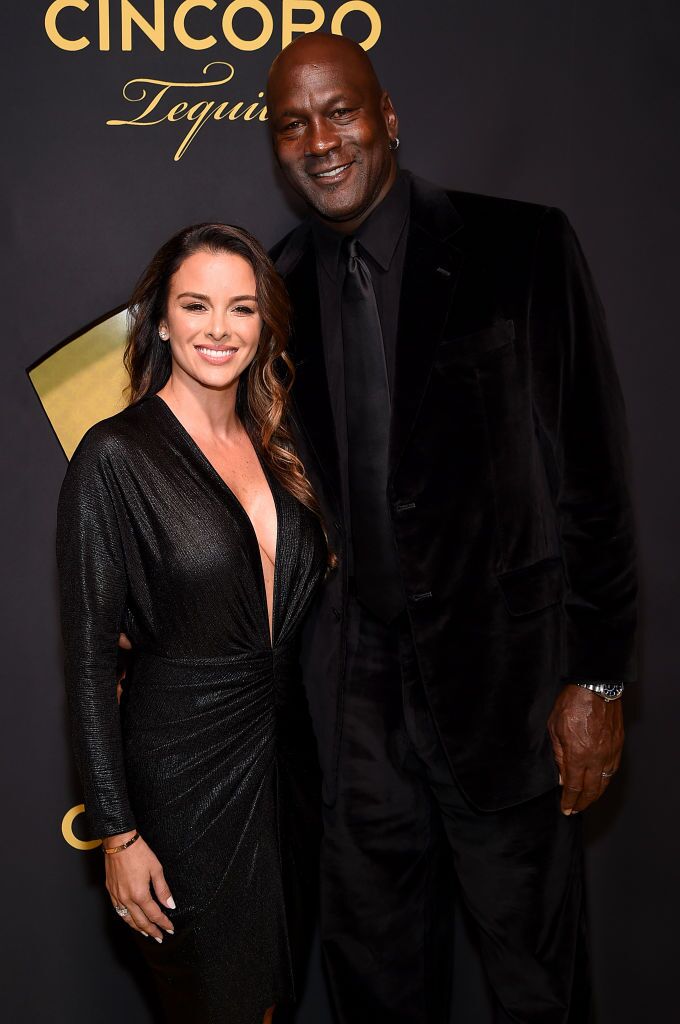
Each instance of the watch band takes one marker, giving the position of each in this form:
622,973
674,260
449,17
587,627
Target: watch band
608,691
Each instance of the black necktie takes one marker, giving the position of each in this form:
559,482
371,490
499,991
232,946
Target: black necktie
376,574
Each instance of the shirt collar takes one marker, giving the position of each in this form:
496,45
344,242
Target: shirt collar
379,234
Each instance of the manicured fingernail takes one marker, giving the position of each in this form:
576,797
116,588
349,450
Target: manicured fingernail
169,931
567,812
145,934
561,780
158,938
170,903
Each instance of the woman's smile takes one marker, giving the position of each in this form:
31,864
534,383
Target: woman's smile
216,355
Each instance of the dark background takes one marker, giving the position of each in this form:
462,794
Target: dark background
569,103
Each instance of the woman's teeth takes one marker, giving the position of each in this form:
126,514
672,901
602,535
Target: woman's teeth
218,355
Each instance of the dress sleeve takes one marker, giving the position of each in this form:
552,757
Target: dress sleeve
93,586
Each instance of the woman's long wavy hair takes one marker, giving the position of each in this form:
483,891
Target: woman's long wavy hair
263,394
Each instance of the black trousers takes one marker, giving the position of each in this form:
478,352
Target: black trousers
399,827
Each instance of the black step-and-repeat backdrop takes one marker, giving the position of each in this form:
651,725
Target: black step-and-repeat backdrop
123,121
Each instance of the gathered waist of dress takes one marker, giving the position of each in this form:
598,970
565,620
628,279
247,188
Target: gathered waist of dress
247,656
258,663
161,689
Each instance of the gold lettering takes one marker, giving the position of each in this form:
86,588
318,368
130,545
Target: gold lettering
104,25
198,114
53,32
142,96
180,29
221,111
250,112
177,112
228,24
68,833
155,32
289,26
224,110
199,111
235,111
364,8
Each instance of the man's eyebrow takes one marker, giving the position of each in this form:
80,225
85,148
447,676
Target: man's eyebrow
336,98
340,97
290,115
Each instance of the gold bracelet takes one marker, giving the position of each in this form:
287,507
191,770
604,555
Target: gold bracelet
123,846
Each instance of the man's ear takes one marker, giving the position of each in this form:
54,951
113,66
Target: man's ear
390,115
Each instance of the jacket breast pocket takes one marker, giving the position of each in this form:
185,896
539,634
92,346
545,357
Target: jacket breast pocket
474,348
487,372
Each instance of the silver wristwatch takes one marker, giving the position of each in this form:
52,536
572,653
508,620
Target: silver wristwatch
608,691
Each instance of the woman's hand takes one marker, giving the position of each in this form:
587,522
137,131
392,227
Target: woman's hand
130,876
125,645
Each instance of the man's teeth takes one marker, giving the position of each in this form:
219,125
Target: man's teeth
333,173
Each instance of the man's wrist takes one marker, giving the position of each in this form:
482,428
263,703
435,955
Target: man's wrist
607,689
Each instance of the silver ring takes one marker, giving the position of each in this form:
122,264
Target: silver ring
608,775
121,911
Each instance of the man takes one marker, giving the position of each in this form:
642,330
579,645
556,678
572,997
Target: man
459,415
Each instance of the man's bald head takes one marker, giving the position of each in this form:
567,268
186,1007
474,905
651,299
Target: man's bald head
333,127
318,48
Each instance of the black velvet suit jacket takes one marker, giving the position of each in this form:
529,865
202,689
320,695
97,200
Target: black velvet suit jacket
507,484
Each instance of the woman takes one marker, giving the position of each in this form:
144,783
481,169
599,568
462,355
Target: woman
187,522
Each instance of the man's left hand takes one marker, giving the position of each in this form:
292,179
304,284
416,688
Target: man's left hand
587,737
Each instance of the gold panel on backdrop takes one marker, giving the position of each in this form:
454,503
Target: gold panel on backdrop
82,381
70,836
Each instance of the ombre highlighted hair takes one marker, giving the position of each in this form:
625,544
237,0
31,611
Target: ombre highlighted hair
263,395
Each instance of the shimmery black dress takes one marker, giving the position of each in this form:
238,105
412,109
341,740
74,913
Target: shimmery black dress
211,755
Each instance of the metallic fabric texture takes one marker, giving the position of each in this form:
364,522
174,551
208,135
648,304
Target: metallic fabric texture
210,755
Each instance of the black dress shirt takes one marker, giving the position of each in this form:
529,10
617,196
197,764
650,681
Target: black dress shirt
383,238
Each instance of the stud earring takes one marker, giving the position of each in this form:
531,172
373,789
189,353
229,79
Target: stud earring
162,334
394,144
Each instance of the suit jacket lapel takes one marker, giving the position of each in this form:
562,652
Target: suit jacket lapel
431,271
312,411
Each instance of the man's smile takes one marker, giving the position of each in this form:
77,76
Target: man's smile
331,174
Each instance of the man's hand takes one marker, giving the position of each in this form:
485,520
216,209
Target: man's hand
587,737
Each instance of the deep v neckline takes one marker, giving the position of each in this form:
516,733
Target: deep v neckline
203,458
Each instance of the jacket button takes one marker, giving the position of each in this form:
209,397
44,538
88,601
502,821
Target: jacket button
338,525
337,614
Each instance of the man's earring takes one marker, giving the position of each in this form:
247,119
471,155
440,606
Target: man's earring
394,144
